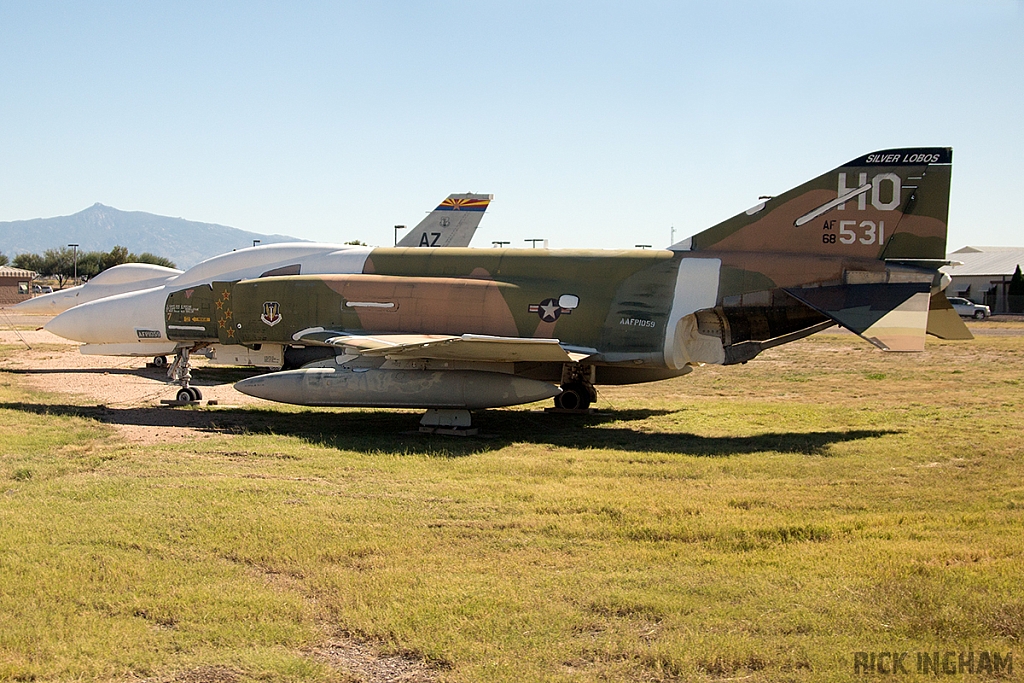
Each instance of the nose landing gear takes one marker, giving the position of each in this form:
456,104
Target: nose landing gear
180,372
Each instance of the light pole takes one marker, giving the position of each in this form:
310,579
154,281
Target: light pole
255,242
499,244
539,239
642,246
75,247
397,228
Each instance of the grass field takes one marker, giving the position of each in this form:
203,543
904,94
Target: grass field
761,523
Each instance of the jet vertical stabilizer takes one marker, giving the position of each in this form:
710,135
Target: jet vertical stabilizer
882,217
452,224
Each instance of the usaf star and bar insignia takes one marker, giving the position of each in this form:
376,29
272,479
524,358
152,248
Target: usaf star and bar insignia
549,310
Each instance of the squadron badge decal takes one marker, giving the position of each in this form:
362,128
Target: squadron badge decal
271,313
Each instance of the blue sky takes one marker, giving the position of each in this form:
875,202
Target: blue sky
594,124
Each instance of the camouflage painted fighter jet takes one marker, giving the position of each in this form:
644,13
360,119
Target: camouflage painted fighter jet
452,330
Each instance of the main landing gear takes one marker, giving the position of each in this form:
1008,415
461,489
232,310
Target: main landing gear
189,394
578,390
180,372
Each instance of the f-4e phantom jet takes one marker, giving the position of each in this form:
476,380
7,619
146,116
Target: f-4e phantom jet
452,330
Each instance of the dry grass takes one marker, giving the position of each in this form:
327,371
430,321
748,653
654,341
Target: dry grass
759,522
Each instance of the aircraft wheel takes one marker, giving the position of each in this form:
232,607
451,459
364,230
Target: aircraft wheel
197,395
185,395
573,397
160,361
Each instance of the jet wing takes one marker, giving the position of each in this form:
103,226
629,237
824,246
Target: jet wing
467,347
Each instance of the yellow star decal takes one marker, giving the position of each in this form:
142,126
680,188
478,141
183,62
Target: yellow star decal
218,304
231,332
225,295
220,322
227,314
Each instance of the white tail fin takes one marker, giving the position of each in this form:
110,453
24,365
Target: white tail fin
452,224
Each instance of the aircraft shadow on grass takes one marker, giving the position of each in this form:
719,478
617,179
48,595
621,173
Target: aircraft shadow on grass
395,432
201,377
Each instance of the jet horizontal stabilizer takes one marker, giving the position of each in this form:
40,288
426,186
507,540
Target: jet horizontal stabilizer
943,321
892,316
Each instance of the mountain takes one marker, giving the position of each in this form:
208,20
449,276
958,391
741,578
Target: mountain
101,228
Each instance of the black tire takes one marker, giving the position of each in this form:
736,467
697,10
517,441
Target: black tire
185,395
573,397
979,315
196,394
160,361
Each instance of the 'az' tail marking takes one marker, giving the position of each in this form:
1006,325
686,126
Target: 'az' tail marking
452,224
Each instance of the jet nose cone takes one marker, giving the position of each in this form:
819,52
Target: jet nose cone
40,304
53,303
113,320
70,324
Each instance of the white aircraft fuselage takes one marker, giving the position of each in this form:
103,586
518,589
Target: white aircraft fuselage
127,277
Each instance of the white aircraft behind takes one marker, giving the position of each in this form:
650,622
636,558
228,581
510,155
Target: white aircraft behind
127,277
452,224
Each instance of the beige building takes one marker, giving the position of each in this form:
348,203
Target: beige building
984,275
15,285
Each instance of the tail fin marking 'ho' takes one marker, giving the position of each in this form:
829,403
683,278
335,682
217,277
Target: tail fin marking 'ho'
891,205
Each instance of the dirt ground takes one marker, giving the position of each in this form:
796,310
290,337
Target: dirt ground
54,365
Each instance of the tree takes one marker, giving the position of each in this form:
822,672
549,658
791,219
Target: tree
357,243
90,263
1017,282
119,255
3,259
1015,292
114,257
33,262
59,263
146,257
